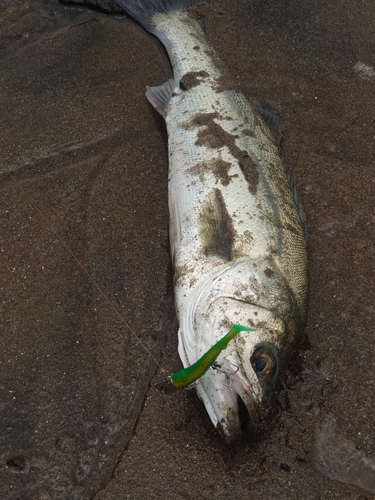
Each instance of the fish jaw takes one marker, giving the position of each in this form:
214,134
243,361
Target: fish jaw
236,294
231,402
237,399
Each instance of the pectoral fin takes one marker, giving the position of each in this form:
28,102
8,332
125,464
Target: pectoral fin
216,226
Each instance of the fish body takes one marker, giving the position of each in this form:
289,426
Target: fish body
237,240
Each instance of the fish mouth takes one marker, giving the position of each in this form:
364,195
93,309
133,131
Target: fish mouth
233,406
242,404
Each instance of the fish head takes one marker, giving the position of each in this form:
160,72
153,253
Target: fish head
240,389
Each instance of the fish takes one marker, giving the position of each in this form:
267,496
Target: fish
237,232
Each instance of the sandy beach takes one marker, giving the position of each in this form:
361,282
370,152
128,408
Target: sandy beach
87,316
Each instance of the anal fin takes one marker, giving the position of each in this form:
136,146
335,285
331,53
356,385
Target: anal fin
160,96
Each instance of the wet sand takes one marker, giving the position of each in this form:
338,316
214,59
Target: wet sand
86,315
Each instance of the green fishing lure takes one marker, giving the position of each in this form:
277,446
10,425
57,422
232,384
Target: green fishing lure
171,384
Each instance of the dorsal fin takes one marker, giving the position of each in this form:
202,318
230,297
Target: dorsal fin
298,202
273,120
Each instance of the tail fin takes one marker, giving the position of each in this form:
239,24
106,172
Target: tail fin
144,10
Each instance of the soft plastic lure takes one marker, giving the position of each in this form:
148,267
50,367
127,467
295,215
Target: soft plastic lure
171,384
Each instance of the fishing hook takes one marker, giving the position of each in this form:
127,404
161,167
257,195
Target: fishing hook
228,374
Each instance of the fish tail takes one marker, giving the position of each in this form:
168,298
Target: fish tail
143,11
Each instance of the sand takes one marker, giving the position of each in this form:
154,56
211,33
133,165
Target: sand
86,288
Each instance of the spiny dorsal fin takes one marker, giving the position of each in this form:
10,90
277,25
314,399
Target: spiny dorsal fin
273,120
298,202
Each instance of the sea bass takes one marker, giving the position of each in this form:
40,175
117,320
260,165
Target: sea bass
236,236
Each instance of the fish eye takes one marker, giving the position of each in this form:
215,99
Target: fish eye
264,362
260,363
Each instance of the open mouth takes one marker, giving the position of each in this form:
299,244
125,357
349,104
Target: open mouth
231,401
241,402
243,415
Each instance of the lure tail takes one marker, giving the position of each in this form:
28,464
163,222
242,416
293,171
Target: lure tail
143,11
